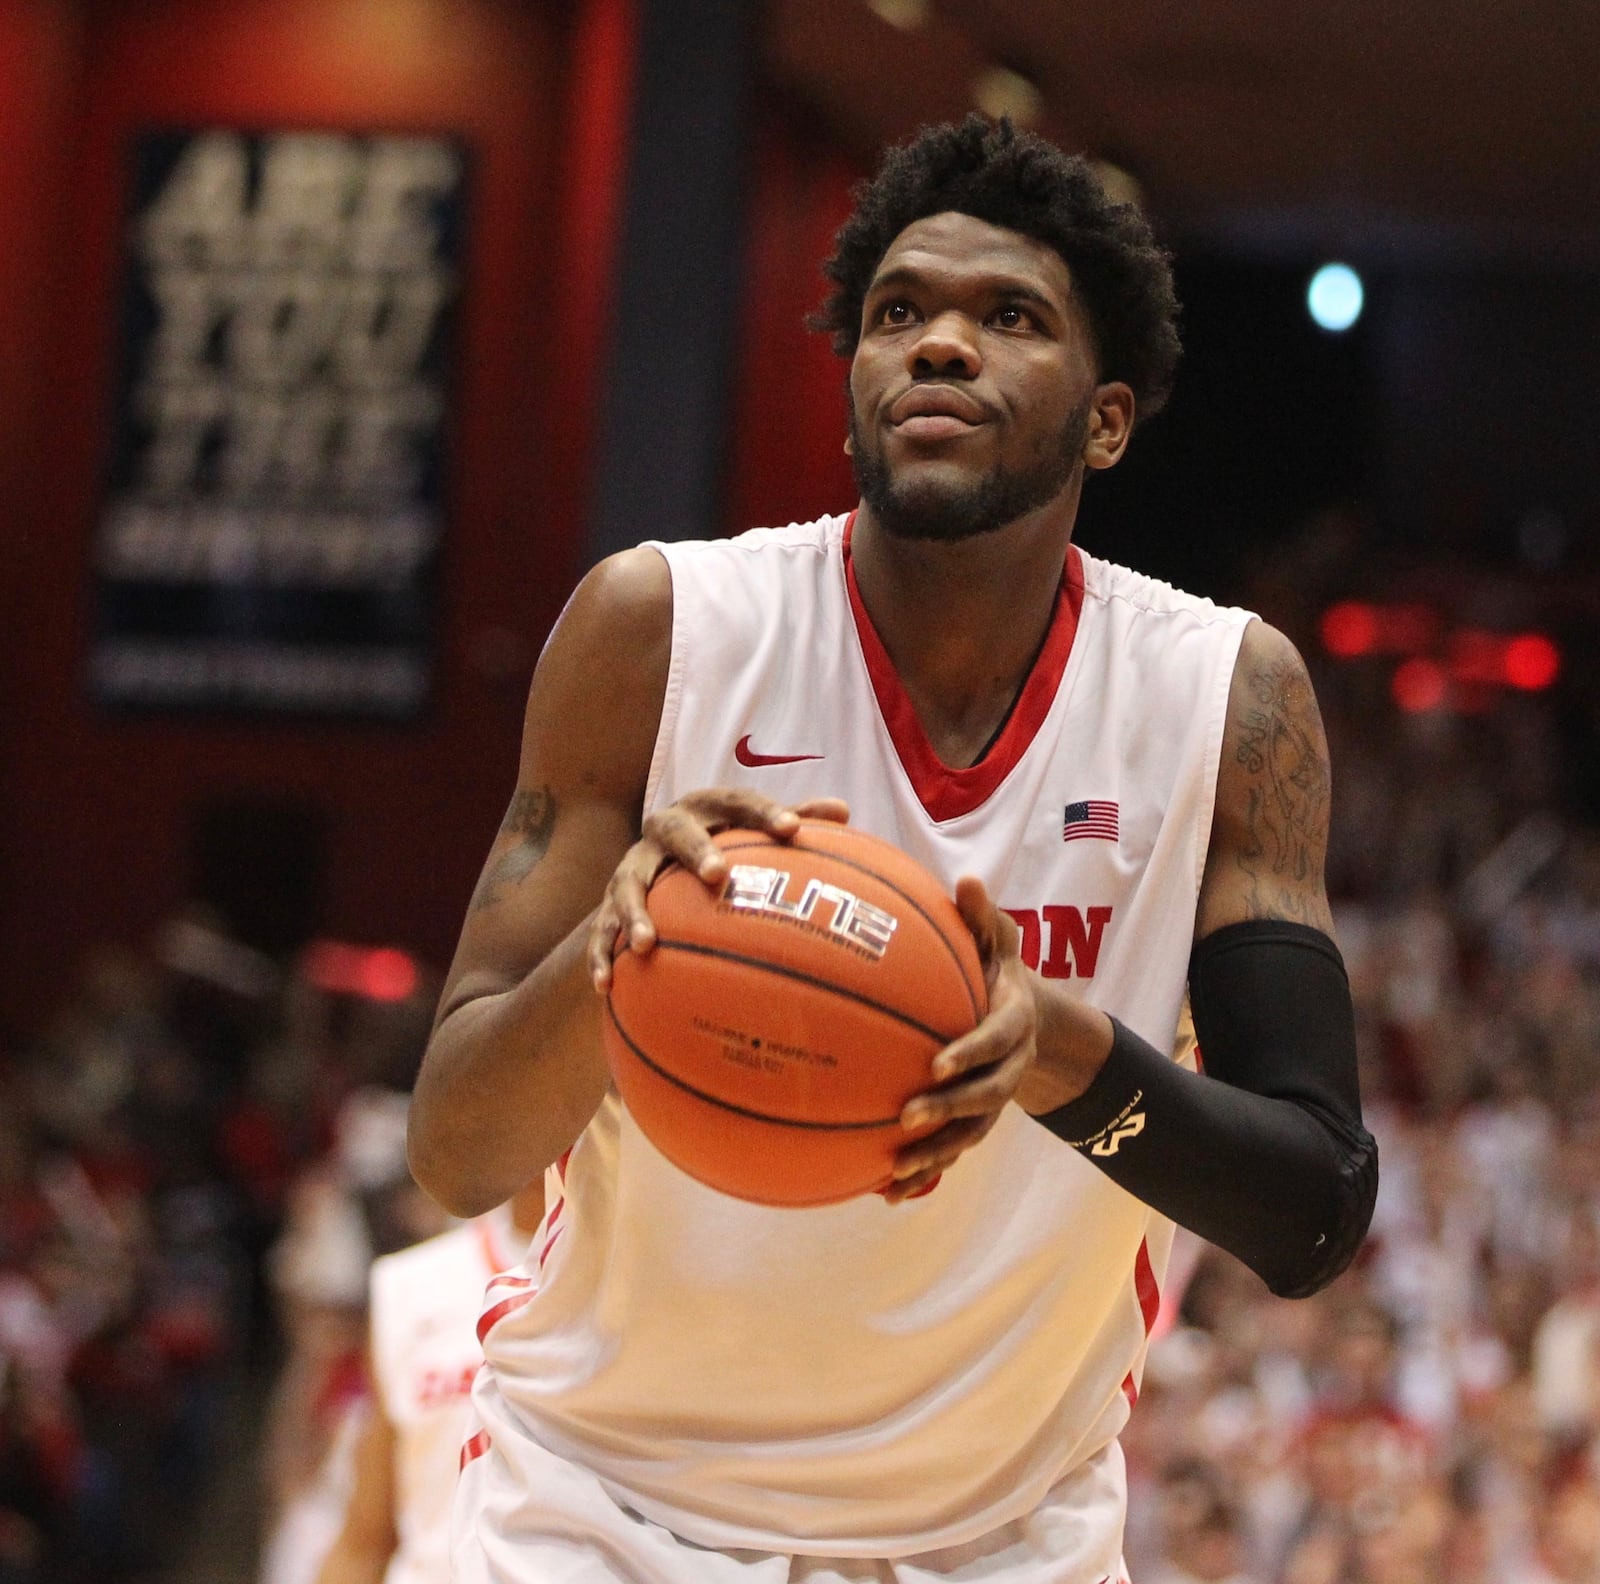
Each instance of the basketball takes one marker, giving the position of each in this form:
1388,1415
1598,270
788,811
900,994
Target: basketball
767,1044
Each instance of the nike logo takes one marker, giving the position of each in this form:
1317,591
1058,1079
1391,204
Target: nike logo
746,755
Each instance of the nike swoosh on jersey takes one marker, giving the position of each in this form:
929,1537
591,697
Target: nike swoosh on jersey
746,755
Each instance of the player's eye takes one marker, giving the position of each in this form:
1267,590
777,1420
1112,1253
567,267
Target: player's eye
897,312
1012,317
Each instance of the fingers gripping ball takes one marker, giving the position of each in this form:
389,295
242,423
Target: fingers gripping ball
767,1045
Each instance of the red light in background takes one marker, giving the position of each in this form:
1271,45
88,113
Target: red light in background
1477,656
387,974
1475,662
1353,628
1531,662
1418,685
1349,629
378,973
1407,629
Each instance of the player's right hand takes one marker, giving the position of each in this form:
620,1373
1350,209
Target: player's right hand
681,833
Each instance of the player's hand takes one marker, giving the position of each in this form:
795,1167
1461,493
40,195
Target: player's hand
981,1071
681,833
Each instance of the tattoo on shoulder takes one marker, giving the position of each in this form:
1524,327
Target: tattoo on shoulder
531,821
1283,756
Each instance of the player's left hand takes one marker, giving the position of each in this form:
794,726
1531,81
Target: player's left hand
977,1074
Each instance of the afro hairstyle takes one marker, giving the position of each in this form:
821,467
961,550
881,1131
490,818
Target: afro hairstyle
1023,183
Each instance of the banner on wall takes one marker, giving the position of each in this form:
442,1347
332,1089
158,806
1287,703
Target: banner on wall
271,531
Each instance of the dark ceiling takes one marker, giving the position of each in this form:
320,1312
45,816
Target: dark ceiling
1438,128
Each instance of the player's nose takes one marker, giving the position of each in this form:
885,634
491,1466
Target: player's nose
947,345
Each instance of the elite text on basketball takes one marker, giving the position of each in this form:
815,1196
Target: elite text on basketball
757,889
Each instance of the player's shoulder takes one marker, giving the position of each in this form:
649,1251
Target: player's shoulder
1272,672
630,583
616,625
1109,584
798,541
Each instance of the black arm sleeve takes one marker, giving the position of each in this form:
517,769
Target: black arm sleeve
1265,1155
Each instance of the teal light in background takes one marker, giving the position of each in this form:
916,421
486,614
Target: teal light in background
1334,297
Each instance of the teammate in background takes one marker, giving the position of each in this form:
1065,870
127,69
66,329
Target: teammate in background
358,1203
1123,784
423,1314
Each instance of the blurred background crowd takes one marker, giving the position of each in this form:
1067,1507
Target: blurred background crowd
202,1151
276,602
200,1156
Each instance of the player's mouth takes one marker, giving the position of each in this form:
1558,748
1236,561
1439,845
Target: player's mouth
935,412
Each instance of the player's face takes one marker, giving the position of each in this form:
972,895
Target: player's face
974,383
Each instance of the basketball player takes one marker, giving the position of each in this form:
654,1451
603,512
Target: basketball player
422,1319
1122,783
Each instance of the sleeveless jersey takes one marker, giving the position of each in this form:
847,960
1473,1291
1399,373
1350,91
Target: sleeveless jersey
425,1305
866,1379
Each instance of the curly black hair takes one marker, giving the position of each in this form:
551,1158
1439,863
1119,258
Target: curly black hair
1019,181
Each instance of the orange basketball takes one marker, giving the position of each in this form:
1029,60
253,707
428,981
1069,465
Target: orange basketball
768,1043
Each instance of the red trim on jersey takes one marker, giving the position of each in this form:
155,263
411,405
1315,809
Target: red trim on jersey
945,792
1149,1294
473,1449
492,1316
550,1243
1144,1284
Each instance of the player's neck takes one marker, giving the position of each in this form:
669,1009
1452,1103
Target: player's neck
962,622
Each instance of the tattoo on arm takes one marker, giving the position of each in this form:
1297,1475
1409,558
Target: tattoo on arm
1284,821
531,820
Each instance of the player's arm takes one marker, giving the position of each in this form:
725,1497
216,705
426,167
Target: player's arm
1266,1155
368,1539
513,1069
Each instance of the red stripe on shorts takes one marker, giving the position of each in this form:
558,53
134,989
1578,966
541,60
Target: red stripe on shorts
474,1449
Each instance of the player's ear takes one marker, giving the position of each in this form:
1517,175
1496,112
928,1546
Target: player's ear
849,444
1110,425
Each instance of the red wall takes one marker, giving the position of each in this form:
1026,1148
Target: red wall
94,839
93,844
786,450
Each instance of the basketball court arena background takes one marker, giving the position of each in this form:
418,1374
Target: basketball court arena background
634,200
1443,155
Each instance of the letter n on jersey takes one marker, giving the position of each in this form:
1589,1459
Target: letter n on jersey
1064,941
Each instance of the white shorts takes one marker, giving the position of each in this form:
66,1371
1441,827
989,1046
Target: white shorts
523,1515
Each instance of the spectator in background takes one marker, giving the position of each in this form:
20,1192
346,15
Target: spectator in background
1566,1547
1203,1531
1566,1345
363,1204
424,1349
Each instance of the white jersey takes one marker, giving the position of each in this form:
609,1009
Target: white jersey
426,1301
865,1379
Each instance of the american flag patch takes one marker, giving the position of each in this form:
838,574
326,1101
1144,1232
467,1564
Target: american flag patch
1096,818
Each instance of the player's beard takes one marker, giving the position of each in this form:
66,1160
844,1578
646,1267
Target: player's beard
936,509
